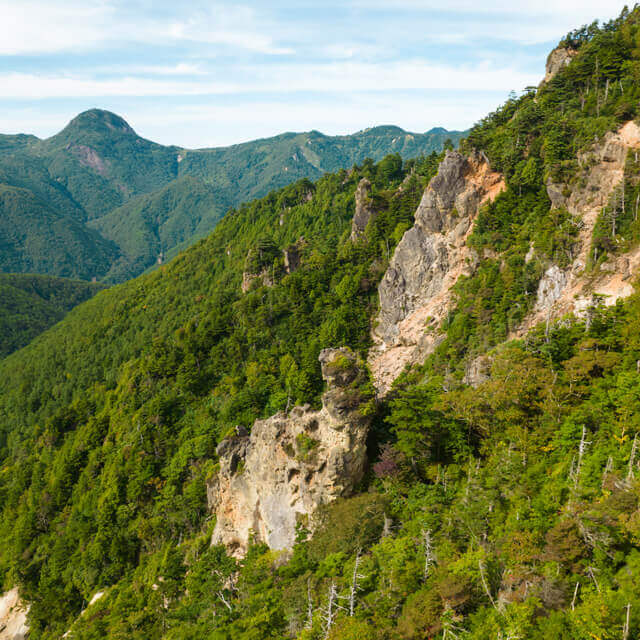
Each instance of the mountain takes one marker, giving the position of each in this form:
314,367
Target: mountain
147,226
30,304
399,402
36,238
97,173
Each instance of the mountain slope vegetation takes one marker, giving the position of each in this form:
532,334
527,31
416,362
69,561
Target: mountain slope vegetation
35,238
97,172
30,304
507,508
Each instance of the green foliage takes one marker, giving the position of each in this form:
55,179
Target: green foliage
29,228
31,304
110,420
97,200
508,509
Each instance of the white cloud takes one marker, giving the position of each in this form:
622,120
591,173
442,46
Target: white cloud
344,76
34,26
45,26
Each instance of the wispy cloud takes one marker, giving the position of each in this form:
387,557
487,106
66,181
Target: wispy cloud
338,65
45,26
344,76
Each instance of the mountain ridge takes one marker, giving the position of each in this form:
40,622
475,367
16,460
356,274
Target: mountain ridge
501,489
98,164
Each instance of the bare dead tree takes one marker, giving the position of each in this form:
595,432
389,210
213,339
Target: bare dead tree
584,443
429,558
353,591
485,585
309,621
386,528
632,457
625,630
224,601
575,595
607,470
330,612
591,573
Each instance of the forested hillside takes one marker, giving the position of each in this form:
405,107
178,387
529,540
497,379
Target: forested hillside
98,189
31,304
500,501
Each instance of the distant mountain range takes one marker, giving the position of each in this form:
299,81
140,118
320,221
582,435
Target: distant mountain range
98,201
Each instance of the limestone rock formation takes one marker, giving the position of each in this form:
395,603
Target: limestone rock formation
13,616
550,287
290,464
558,59
364,210
572,290
415,292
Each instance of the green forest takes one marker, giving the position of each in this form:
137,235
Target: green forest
96,200
506,510
30,304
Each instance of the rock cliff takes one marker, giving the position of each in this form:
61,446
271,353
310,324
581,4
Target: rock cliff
573,289
415,292
289,464
557,60
13,616
364,210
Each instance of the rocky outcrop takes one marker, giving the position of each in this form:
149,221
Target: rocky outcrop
478,370
364,210
416,290
550,287
558,59
290,464
13,616
249,279
292,256
572,289
89,158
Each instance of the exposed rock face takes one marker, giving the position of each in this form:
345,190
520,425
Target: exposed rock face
291,464
478,371
570,290
550,287
291,258
364,211
13,616
415,292
248,279
558,59
89,157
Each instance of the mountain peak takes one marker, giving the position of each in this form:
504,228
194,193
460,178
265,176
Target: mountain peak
100,117
94,121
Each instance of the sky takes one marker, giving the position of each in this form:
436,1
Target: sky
199,73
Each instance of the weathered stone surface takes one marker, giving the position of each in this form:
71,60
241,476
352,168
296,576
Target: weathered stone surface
557,60
415,292
478,371
13,616
290,464
550,287
572,290
364,210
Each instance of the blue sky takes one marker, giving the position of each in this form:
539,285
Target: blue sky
197,73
